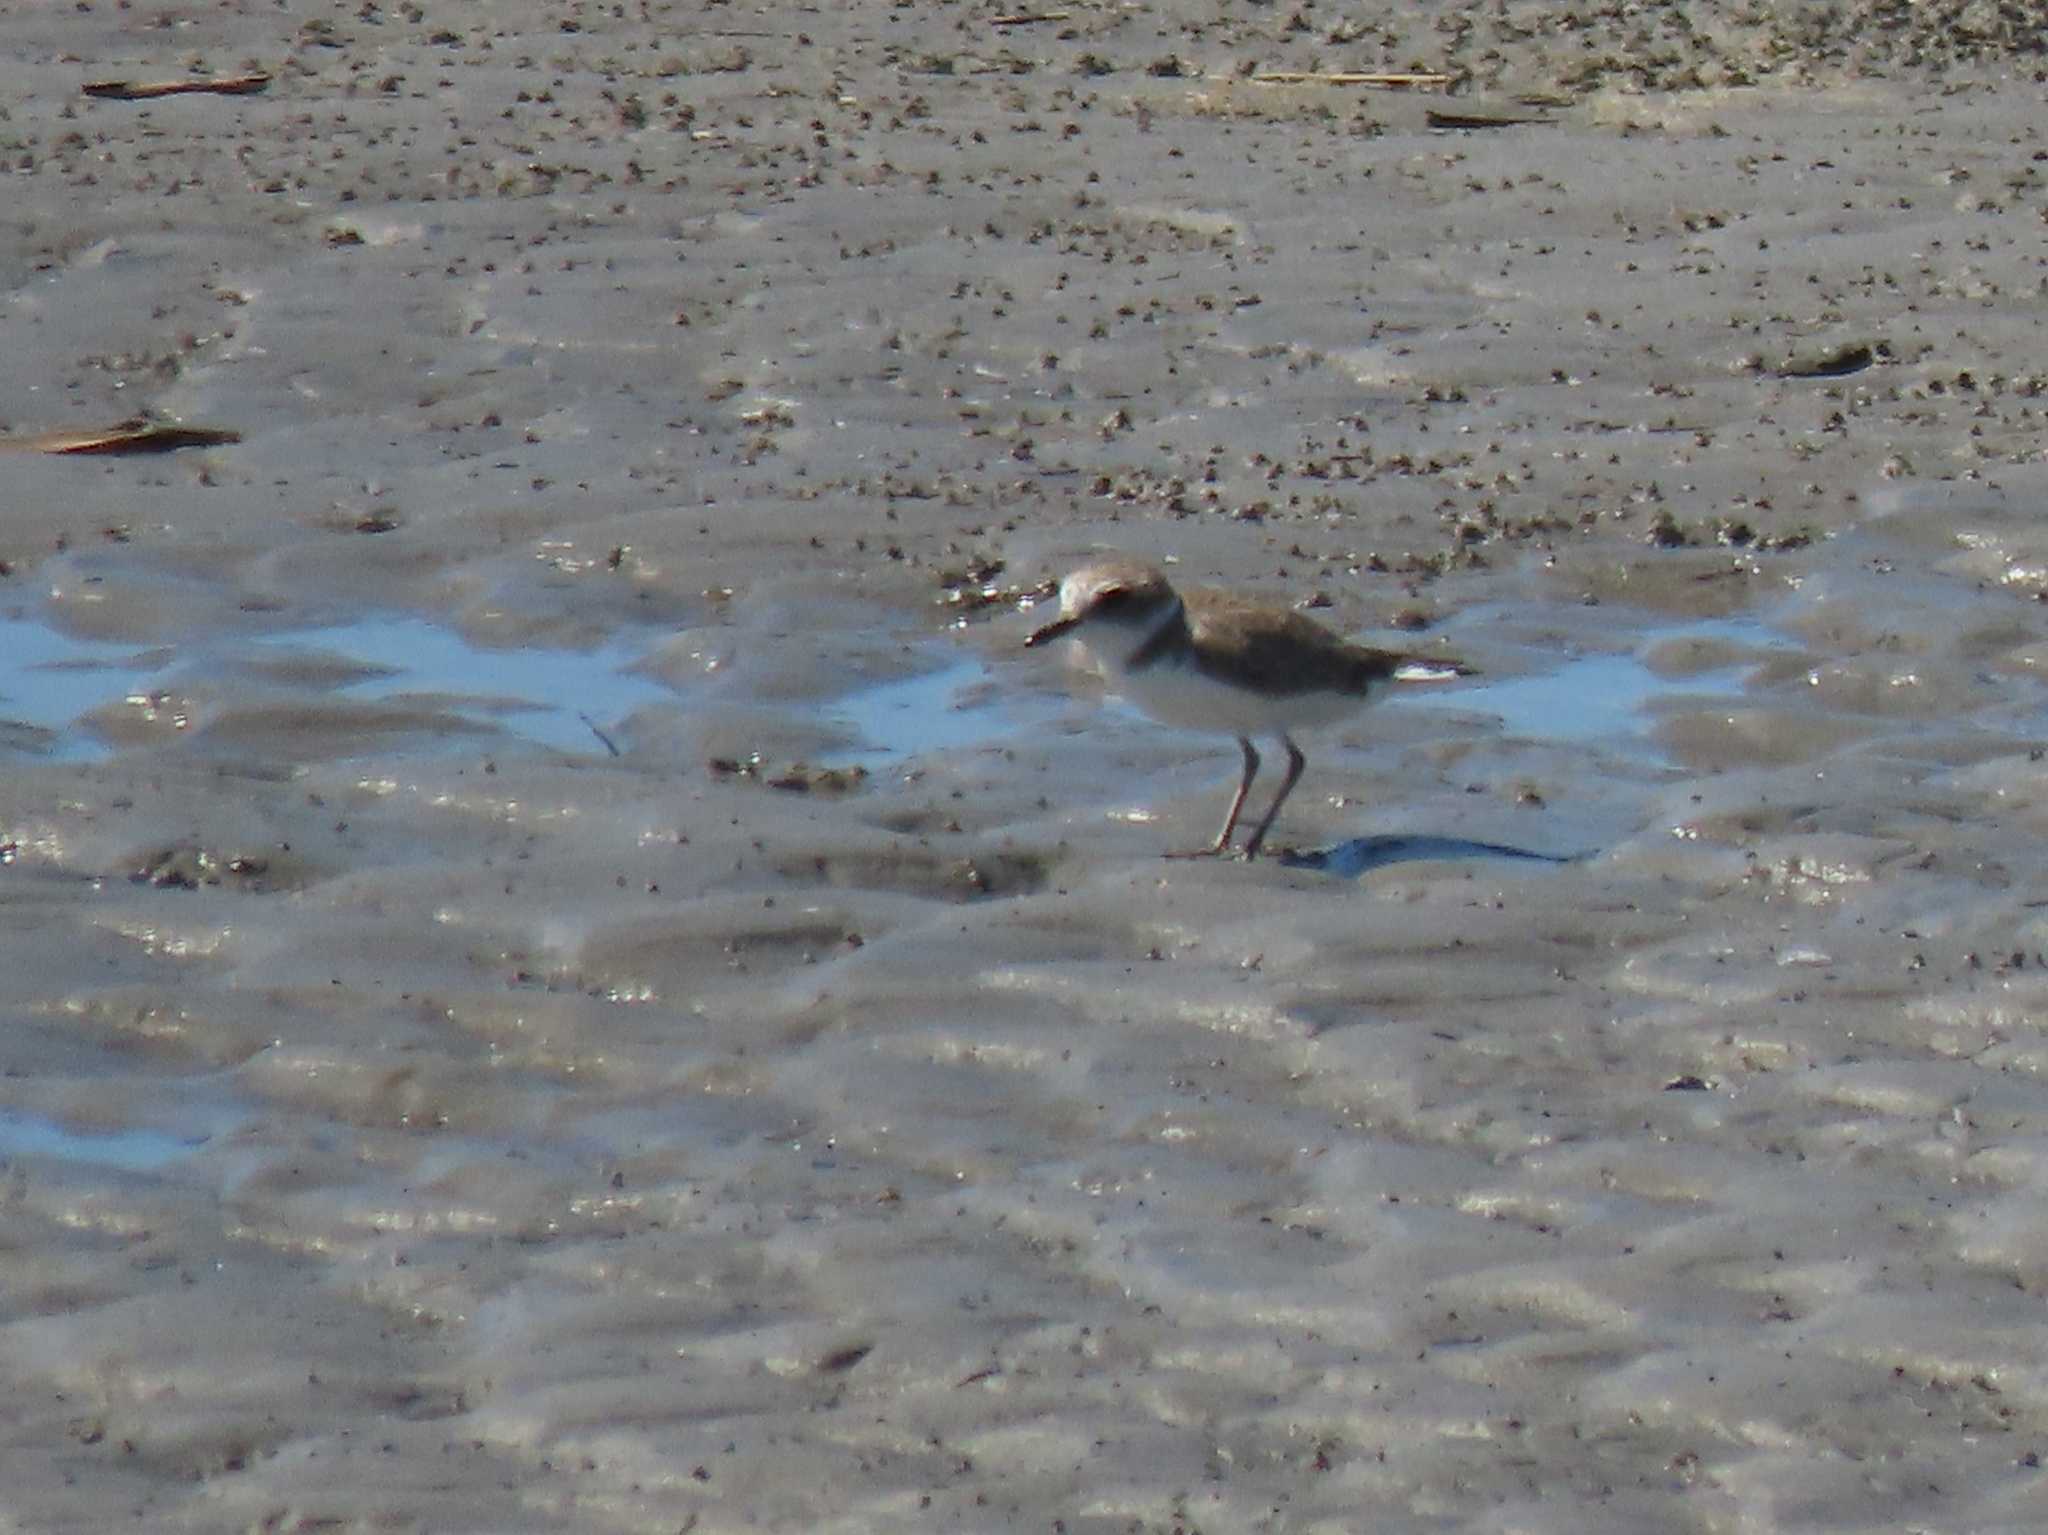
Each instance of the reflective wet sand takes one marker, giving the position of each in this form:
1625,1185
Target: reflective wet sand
563,970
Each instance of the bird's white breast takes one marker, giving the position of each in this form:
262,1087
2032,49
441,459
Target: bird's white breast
1174,692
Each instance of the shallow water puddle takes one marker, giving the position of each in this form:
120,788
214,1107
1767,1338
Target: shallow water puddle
539,694
1604,697
134,1151
1594,697
48,680
958,704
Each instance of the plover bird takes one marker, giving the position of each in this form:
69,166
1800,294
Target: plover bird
1216,661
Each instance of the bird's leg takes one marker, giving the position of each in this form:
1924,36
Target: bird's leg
1295,763
1244,786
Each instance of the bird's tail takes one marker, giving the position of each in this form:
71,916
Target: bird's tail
1432,669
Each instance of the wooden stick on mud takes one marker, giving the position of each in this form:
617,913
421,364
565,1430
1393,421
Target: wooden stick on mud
1380,80
148,90
1484,120
136,436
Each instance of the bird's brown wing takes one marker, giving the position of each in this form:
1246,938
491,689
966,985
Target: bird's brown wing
1281,651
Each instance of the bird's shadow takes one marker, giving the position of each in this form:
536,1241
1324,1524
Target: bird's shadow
1361,855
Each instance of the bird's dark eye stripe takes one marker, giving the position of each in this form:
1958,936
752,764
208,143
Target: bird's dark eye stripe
1114,597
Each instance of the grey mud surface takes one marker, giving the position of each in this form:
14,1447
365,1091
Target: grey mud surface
408,1125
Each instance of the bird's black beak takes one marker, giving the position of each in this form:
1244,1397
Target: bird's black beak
1050,632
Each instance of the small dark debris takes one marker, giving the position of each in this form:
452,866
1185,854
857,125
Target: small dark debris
1832,362
189,868
841,1359
1665,533
798,778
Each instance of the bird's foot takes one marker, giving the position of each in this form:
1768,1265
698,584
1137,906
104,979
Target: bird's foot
1213,850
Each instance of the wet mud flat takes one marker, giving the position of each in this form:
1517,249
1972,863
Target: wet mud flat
563,969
